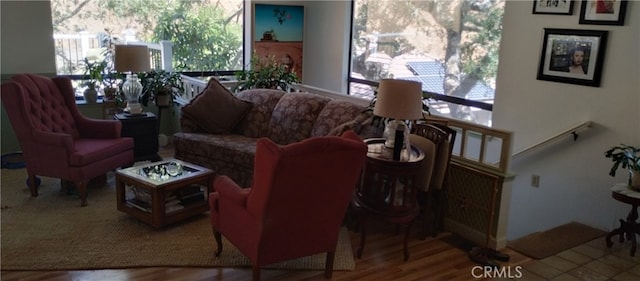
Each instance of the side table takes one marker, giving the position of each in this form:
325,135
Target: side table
388,190
144,130
628,228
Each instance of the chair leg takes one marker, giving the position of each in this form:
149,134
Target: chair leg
256,273
82,191
328,266
33,185
218,237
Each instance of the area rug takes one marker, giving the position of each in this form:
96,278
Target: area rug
544,244
52,232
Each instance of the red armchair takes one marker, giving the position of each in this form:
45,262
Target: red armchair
299,196
56,140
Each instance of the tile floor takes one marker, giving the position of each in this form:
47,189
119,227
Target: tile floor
591,261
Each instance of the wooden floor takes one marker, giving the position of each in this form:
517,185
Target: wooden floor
441,258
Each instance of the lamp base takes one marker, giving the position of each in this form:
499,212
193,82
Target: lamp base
396,135
133,108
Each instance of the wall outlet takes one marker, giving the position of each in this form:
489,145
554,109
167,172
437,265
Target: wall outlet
535,180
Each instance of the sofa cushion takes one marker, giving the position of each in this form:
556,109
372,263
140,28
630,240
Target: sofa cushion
230,155
256,122
294,116
215,109
334,114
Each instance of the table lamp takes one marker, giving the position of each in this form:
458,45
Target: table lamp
131,59
398,100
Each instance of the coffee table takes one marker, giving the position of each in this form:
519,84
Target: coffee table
163,192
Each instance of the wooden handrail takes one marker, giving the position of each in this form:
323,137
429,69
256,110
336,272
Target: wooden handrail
573,131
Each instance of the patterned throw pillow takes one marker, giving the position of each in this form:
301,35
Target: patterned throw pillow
216,110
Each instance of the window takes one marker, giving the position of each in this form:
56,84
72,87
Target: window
205,36
450,46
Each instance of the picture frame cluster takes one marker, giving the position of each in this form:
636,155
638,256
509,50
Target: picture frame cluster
576,56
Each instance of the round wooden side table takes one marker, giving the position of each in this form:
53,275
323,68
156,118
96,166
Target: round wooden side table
628,228
388,190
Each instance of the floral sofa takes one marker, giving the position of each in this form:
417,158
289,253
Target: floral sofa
282,117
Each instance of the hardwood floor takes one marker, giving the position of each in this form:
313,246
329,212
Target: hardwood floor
441,258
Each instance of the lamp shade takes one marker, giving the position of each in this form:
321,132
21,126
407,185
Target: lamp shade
399,99
131,58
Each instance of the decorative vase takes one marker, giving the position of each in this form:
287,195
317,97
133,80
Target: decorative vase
163,100
90,95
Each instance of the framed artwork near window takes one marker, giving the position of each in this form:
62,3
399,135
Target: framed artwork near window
553,7
278,32
603,12
572,56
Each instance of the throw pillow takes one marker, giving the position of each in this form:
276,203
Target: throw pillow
216,109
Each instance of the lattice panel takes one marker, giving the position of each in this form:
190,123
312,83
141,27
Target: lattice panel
469,198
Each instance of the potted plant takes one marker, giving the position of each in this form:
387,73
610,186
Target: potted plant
111,78
160,86
265,73
93,70
627,157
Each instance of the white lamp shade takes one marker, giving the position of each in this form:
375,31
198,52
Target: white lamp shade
399,99
132,58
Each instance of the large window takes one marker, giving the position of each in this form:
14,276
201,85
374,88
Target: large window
206,35
450,46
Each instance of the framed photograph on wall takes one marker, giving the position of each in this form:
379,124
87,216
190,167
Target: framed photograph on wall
604,12
553,7
572,56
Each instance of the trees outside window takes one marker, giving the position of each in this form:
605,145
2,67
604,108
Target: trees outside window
451,46
206,34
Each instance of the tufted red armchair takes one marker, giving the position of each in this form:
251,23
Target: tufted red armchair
56,140
297,201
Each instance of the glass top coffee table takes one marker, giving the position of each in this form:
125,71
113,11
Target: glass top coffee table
163,192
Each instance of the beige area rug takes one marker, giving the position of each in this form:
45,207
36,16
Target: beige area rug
52,232
544,244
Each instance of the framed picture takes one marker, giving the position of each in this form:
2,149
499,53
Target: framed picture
572,56
553,7
604,12
278,32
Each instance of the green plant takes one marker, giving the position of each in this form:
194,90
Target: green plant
93,70
160,82
267,73
111,78
626,156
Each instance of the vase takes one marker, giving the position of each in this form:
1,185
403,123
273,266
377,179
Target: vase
90,95
163,100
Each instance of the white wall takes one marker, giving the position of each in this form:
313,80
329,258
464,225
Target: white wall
574,181
326,44
26,33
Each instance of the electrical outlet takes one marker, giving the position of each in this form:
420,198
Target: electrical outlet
535,180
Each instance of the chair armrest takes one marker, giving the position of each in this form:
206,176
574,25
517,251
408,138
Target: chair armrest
99,129
231,191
